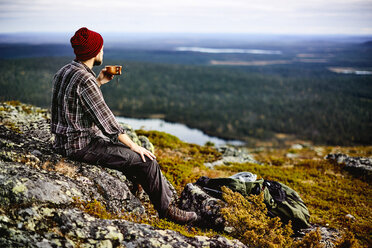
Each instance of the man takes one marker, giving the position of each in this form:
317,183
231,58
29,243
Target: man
85,129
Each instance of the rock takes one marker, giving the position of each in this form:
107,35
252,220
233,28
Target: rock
291,155
113,188
297,147
193,198
319,151
53,227
329,235
232,155
145,142
358,166
139,140
40,192
349,216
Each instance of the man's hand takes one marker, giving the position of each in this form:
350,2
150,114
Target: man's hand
104,77
123,138
142,152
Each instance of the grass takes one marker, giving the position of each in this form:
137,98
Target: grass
329,192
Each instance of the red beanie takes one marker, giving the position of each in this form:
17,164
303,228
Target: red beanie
86,44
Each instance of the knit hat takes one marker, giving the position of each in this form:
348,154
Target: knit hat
86,44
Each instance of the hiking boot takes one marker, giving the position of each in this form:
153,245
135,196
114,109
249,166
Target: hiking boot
180,216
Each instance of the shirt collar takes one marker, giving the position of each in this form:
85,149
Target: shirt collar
84,66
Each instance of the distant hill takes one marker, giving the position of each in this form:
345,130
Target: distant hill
368,43
252,99
9,50
243,103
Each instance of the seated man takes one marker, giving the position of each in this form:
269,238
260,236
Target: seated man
85,129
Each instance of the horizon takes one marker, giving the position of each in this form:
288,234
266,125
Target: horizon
189,33
116,37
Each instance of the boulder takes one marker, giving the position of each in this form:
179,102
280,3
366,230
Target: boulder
44,226
358,166
139,140
40,191
193,198
231,154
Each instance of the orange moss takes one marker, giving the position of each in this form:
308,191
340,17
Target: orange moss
329,192
251,225
98,210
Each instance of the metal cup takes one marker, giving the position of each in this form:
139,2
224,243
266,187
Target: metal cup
113,69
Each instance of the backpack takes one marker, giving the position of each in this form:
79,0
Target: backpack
280,200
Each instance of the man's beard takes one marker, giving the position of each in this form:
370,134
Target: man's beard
97,62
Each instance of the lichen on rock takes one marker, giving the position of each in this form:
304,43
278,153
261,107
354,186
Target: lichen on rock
232,155
359,166
39,191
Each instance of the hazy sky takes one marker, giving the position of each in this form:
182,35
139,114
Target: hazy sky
196,16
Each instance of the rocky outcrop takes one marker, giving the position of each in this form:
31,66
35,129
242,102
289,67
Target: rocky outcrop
359,166
45,226
39,191
232,155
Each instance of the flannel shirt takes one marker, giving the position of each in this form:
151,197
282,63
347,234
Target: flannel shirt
79,111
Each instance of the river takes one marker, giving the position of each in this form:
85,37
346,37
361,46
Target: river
183,132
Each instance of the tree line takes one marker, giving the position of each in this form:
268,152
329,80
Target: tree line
230,102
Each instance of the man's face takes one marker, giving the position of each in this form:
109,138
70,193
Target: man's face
99,58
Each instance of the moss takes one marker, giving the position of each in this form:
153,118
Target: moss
329,192
12,126
27,109
162,139
180,172
311,239
347,241
209,143
294,151
250,223
276,161
19,188
13,103
94,208
98,210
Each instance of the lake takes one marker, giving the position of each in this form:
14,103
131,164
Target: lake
227,50
183,132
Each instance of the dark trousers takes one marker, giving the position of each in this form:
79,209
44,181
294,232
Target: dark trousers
118,156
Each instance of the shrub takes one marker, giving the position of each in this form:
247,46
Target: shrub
248,218
250,223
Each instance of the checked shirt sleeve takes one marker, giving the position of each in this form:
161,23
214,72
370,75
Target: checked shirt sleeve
97,109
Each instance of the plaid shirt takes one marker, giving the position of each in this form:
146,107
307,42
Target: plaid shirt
79,111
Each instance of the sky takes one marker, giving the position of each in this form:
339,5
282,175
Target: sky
189,16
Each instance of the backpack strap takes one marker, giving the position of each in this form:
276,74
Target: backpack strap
276,190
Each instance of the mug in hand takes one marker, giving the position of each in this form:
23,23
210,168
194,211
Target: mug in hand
113,69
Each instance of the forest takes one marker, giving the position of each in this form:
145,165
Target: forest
299,97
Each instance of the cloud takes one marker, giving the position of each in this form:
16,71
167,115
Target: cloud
267,16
